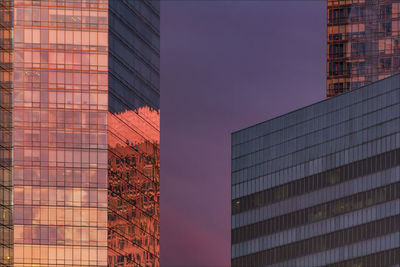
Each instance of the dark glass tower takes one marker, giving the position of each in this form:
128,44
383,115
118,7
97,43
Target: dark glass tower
363,43
79,132
321,185
133,133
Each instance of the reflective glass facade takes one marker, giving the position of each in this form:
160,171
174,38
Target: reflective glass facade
134,133
321,185
363,43
6,226
79,136
60,132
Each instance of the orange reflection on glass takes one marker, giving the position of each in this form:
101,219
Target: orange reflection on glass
133,195
362,43
60,163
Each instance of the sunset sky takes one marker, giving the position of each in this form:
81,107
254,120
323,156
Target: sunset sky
225,65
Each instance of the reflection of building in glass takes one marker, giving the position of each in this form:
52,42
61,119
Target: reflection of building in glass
363,43
321,185
133,182
134,133
79,133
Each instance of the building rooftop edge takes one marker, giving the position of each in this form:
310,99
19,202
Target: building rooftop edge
324,100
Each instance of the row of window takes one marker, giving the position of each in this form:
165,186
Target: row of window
385,258
361,122
321,227
60,118
352,13
318,181
381,64
61,17
321,243
314,118
64,3
314,165
59,255
59,215
73,60
59,79
320,154
43,195
25,37
60,235
131,259
316,213
69,99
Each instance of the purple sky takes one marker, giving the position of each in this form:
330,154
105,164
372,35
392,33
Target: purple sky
225,65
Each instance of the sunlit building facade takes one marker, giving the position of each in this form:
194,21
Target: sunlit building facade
363,43
320,186
79,136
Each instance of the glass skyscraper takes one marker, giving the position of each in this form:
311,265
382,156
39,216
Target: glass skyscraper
133,133
79,135
321,185
363,43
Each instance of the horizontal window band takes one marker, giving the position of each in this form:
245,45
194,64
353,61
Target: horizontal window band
321,243
316,213
384,258
317,181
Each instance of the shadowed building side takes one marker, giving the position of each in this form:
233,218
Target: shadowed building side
320,185
134,133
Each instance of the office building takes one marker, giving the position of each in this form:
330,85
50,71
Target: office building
321,185
79,115
363,43
133,133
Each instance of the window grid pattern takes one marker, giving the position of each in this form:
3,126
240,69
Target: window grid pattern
308,206
60,132
363,43
6,226
134,133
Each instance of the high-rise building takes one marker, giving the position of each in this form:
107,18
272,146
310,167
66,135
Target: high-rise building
321,185
79,132
133,132
363,43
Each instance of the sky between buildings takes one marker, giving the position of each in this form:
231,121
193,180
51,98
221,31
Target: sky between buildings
225,65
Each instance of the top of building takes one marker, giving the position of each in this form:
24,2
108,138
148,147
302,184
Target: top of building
322,107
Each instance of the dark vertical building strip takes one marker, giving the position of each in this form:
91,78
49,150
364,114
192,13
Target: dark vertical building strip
133,133
6,226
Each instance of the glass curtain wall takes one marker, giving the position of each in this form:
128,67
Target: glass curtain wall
60,132
134,133
363,43
6,227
